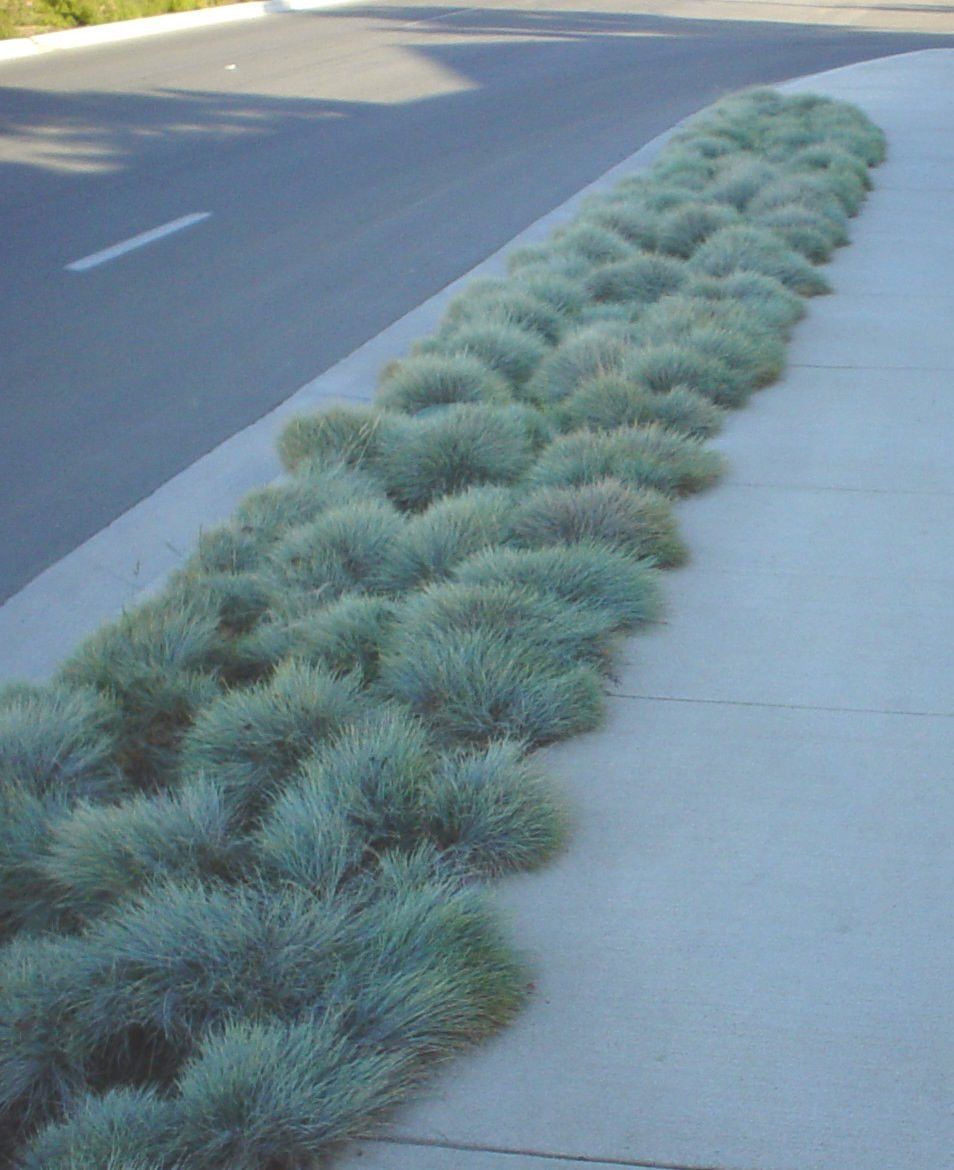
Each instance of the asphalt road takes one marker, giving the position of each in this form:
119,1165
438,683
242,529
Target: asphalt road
352,163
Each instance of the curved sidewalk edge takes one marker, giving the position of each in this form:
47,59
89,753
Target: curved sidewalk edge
742,960
147,26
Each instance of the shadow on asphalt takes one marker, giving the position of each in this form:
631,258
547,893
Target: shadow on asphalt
331,217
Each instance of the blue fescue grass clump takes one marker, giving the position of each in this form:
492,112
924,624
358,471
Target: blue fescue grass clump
588,576
340,552
752,249
679,232
41,1072
426,972
492,810
507,348
243,834
250,741
430,379
584,353
274,1093
27,823
455,449
268,513
101,854
637,521
57,740
643,456
158,665
452,528
344,637
485,662
665,366
640,279
609,401
124,1129
373,773
186,957
340,434
766,300
499,301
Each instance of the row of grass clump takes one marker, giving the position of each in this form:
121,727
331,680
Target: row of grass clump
245,829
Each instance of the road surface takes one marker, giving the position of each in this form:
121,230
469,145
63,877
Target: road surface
315,175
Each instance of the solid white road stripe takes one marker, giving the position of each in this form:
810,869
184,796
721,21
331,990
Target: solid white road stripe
139,241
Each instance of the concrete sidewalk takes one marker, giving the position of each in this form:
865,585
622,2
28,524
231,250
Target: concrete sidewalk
744,960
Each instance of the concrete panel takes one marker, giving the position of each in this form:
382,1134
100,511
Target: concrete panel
803,432
891,331
740,962
740,527
819,641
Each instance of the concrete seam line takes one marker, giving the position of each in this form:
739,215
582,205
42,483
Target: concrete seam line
547,1156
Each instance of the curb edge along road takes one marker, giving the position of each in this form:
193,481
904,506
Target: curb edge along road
146,26
133,556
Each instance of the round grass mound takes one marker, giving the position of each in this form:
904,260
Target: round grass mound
455,449
650,456
637,521
425,380
608,401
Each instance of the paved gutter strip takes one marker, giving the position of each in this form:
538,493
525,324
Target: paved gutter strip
133,556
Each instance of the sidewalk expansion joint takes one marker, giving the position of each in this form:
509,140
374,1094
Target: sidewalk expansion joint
785,706
822,487
507,1151
880,366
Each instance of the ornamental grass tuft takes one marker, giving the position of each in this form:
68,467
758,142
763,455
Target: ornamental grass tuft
497,301
101,854
669,365
346,435
588,576
680,232
492,811
649,456
61,740
251,741
455,449
431,379
41,1072
584,353
637,521
751,249
450,529
340,552
124,1129
509,350
344,637
608,401
480,663
158,664
27,822
639,280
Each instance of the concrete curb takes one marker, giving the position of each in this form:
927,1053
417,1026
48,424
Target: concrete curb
146,26
132,557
